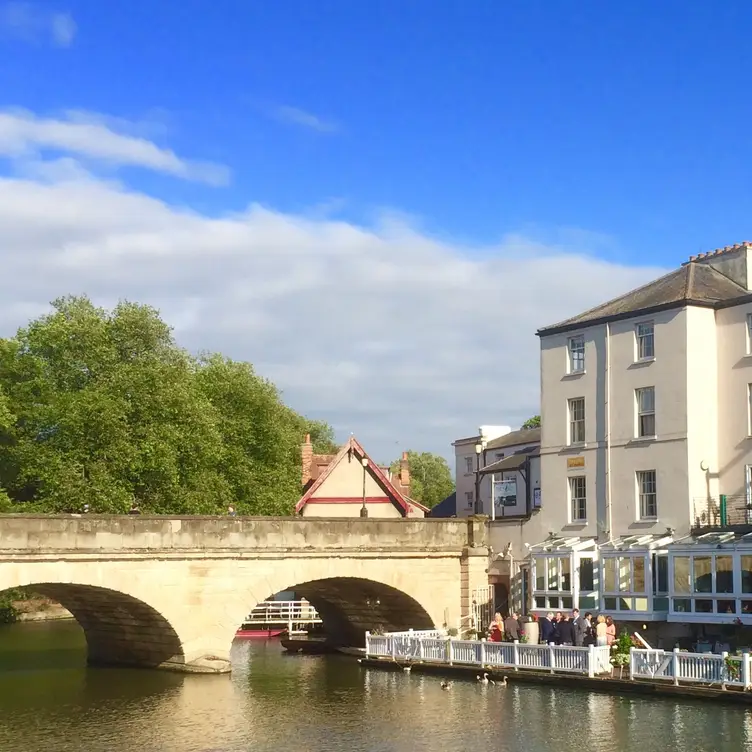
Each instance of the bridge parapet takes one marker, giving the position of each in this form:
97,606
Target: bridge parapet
31,534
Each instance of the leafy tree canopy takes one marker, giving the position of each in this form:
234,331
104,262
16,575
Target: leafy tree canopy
430,477
533,422
104,408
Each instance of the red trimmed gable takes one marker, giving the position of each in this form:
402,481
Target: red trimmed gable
353,448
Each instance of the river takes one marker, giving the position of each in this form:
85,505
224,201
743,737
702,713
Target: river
273,702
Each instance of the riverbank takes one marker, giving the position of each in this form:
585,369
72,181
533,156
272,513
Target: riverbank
40,609
608,684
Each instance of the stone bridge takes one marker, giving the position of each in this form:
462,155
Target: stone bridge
170,592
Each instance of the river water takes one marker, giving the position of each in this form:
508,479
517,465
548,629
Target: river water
49,701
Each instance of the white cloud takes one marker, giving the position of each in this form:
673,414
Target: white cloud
33,23
297,116
404,340
23,135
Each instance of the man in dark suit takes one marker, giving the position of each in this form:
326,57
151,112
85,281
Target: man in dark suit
546,628
566,631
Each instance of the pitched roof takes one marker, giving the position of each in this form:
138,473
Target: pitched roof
691,284
445,508
354,446
513,438
513,462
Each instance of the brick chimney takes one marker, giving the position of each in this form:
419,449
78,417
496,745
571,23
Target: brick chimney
306,457
404,472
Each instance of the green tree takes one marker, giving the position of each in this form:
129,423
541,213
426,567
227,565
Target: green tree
322,437
533,422
430,477
104,408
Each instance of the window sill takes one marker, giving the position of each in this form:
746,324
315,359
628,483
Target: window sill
573,375
642,363
647,520
574,448
642,440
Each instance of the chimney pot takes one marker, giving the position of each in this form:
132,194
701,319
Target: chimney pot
404,474
306,460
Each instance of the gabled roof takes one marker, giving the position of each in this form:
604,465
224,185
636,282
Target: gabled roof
691,284
354,446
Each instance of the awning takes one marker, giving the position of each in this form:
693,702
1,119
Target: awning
637,543
712,540
513,462
563,545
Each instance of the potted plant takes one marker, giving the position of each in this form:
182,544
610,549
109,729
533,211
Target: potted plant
620,652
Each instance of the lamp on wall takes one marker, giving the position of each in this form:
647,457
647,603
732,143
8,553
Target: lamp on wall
480,447
363,509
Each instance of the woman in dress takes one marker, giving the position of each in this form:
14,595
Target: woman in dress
610,631
601,636
496,629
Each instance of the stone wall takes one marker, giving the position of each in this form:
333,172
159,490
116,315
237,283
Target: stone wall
51,533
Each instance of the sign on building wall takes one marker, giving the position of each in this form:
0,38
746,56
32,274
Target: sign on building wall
536,498
505,492
573,462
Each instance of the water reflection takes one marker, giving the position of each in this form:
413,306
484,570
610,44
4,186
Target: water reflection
272,701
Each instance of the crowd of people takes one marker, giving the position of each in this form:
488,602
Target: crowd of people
557,629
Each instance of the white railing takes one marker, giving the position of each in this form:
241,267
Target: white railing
589,661
276,612
692,668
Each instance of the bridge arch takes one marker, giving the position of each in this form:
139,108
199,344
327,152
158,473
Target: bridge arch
350,606
119,629
351,595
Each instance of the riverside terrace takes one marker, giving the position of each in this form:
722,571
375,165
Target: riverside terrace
698,675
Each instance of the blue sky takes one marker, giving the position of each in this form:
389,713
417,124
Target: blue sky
595,138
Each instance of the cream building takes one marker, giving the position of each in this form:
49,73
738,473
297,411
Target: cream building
351,484
646,446
470,455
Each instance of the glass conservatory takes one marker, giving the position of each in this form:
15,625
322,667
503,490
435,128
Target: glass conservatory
564,574
710,578
634,577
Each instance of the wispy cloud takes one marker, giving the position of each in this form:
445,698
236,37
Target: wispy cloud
33,23
26,137
326,308
296,116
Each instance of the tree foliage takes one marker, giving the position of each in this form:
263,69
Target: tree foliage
104,408
430,477
533,422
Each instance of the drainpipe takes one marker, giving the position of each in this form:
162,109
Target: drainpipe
608,431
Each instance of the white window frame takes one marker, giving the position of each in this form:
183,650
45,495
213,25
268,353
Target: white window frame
578,499
640,412
644,494
469,498
645,341
719,613
749,334
576,425
468,465
749,409
576,347
562,599
629,594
